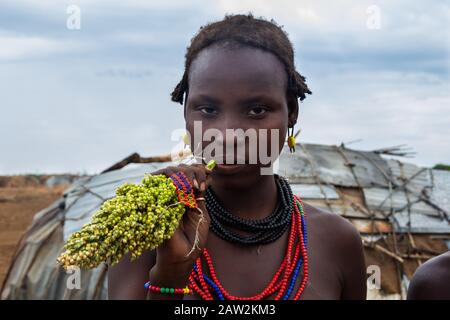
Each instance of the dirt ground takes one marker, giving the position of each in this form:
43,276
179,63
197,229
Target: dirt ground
21,197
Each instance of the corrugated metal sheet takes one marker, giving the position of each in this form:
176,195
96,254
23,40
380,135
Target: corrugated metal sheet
418,220
441,191
337,208
329,164
314,191
411,213
384,200
417,178
419,223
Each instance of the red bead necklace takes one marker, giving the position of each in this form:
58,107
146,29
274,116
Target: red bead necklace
283,280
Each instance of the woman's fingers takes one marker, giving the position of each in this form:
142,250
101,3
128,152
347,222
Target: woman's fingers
189,171
200,176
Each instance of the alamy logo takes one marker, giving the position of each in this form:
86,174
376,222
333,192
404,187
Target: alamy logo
236,146
73,21
374,279
74,278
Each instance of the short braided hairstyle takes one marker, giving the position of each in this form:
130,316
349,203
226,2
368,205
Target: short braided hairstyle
245,30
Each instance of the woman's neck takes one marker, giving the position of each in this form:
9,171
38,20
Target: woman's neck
254,200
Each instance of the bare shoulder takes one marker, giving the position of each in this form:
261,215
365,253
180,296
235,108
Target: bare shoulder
334,226
338,242
431,279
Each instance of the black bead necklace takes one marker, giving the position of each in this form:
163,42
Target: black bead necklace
262,231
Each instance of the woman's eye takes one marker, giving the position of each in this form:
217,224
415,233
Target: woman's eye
257,111
207,110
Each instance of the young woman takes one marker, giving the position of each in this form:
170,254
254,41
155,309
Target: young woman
240,73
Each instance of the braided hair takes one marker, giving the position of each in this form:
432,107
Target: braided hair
245,30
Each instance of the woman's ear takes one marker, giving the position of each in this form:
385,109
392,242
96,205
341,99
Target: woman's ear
292,110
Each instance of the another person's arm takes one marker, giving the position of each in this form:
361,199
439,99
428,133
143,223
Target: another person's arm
431,281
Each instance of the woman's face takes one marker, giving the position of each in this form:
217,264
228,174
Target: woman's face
241,88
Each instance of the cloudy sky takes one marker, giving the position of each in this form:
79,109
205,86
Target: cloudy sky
78,100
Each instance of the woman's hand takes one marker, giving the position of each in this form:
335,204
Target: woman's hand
175,257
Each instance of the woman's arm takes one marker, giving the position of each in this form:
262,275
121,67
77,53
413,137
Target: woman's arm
126,279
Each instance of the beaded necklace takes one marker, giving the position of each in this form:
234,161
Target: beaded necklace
283,282
262,231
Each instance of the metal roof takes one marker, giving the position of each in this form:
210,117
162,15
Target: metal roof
334,165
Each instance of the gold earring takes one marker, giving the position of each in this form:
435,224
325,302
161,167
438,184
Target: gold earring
186,139
291,139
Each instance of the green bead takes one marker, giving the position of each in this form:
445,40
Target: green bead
172,290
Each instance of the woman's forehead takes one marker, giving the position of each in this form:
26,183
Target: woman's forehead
249,67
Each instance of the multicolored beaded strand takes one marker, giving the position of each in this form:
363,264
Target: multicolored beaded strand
153,288
300,262
184,190
294,259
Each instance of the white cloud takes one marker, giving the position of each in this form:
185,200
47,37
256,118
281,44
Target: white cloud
55,5
382,109
20,47
149,38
